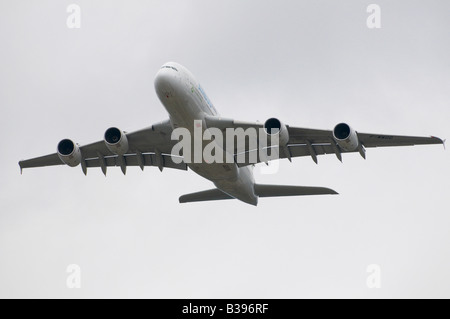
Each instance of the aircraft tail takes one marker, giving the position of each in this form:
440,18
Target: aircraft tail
260,191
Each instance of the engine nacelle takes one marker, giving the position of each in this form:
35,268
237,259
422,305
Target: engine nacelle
346,137
274,126
116,141
69,153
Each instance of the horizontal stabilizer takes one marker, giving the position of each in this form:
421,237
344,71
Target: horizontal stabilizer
212,194
281,190
260,191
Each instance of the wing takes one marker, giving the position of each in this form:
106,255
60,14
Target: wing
309,142
147,147
313,142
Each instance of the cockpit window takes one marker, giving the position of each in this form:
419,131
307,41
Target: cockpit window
169,67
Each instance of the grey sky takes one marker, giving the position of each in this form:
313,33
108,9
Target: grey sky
309,63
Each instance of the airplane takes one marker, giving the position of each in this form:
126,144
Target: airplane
186,102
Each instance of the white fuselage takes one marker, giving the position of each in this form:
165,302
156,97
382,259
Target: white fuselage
186,102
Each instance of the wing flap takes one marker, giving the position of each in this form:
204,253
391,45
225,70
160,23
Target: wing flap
149,159
295,150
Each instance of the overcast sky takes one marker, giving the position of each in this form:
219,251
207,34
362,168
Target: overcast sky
308,63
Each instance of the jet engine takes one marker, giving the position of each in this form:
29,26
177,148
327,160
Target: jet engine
274,126
346,137
69,153
116,141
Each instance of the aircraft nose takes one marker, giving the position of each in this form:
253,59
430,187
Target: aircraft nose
165,80
162,80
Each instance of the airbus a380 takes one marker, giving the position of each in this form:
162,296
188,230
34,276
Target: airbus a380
186,102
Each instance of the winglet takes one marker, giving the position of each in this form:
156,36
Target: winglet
21,168
439,140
